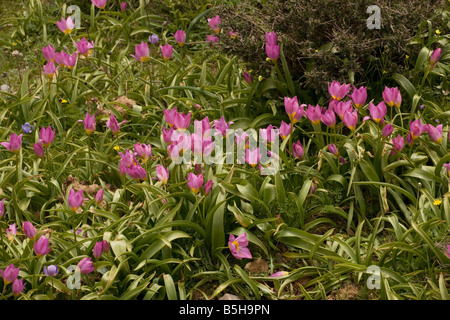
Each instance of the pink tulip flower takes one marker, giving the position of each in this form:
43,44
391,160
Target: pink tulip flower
10,274
46,136
14,144
75,199
359,96
166,51
28,228
142,52
18,287
435,132
49,69
85,265
214,23
378,111
195,182
84,47
41,247
101,4
39,150
338,91
162,174
392,97
66,26
238,246
350,119
314,114
49,53
399,143
180,37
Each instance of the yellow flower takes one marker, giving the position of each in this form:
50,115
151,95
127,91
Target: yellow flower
437,202
260,78
63,101
384,71
438,32
117,148
407,57
267,59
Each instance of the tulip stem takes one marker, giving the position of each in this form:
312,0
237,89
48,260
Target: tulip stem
4,289
89,156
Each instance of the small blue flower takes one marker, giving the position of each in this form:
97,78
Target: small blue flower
27,128
51,270
153,39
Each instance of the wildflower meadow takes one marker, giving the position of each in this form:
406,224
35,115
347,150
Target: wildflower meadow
143,158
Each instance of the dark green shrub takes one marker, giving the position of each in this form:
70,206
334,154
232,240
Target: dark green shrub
327,40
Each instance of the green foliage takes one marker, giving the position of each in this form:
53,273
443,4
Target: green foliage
323,218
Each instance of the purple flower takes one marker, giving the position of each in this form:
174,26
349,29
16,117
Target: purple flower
41,247
238,246
27,128
123,6
85,265
154,39
182,121
70,60
51,270
252,157
293,110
